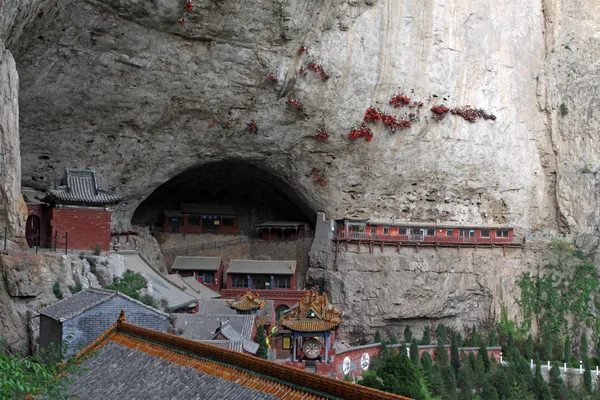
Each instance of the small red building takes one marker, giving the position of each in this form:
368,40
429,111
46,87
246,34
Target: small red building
76,215
207,270
202,218
281,230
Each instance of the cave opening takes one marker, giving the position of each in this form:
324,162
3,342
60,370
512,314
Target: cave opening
197,196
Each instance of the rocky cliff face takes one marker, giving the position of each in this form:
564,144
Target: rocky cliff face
119,86
13,211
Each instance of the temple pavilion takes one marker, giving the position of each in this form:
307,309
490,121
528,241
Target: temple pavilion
311,326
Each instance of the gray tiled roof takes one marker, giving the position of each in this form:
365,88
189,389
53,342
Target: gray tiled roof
81,188
116,371
233,335
204,327
196,263
78,303
203,291
235,345
262,267
162,288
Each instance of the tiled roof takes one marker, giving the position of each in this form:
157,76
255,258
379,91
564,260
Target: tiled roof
115,369
233,335
204,327
221,307
71,307
235,345
162,288
262,267
310,325
249,301
81,188
196,263
125,372
202,290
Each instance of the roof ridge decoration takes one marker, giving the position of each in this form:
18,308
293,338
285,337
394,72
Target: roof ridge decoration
247,302
313,314
246,370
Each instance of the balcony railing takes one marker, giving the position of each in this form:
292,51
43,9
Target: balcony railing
342,235
267,294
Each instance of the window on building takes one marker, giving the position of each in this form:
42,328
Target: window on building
503,233
401,231
207,277
373,229
281,282
261,282
239,281
227,221
195,221
485,233
430,232
463,232
356,228
449,232
286,343
280,310
386,230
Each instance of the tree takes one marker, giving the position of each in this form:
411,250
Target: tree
540,388
393,338
492,340
261,339
528,350
377,336
441,334
454,356
384,351
488,392
426,364
407,334
414,351
587,374
403,349
558,389
441,355
483,355
479,373
436,383
401,376
583,348
374,365
131,284
474,337
568,349
547,342
449,379
426,336
39,375
500,382
465,382
371,380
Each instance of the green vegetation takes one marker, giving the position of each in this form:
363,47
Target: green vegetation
76,288
131,284
564,110
261,339
56,290
97,249
39,375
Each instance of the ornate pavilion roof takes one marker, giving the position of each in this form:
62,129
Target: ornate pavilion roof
81,188
313,314
247,302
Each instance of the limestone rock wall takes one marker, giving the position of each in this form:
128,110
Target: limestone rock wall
13,211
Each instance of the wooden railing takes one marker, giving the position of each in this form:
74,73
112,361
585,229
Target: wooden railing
266,294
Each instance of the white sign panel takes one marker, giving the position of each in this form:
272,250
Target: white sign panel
346,366
364,361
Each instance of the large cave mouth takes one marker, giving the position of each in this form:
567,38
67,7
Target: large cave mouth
254,193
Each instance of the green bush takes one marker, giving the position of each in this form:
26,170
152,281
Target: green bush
76,288
97,249
82,256
56,290
130,284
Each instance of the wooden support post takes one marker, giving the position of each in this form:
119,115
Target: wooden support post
382,247
504,250
346,244
458,248
371,247
359,246
437,246
417,247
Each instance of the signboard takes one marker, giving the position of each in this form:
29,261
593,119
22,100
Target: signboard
365,360
346,365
